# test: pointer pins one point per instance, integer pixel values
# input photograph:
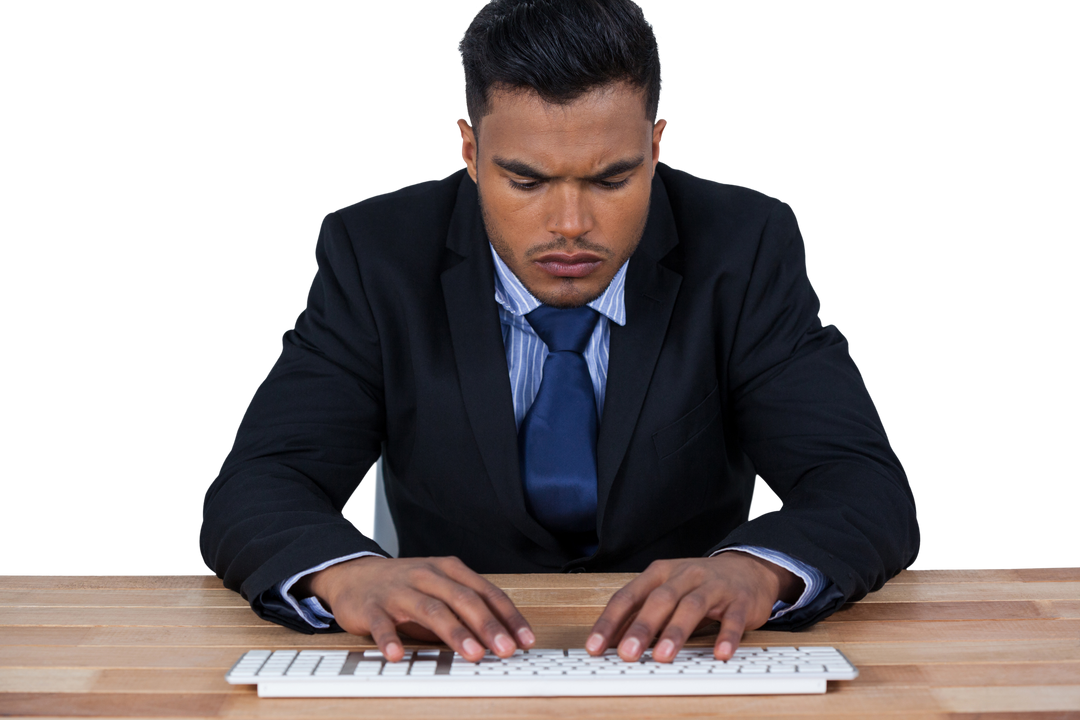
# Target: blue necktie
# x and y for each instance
(557, 439)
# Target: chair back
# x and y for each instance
(381, 525)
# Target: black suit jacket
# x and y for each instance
(722, 370)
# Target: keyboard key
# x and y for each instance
(422, 667)
(367, 669)
(696, 670)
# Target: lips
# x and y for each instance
(569, 265)
(569, 259)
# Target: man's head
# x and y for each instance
(562, 95)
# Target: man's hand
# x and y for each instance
(673, 596)
(428, 598)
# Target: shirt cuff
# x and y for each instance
(813, 579)
(310, 609)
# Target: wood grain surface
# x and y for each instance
(930, 644)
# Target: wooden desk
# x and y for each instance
(963, 643)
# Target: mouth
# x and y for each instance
(569, 265)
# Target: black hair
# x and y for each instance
(560, 48)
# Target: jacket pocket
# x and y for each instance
(678, 434)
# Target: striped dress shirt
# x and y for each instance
(525, 355)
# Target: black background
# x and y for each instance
(198, 163)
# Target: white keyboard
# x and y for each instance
(434, 673)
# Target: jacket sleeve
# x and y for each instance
(807, 423)
(313, 429)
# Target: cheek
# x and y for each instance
(622, 217)
(500, 199)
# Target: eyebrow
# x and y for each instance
(523, 169)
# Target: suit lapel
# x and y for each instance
(468, 289)
(651, 290)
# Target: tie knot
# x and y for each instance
(563, 330)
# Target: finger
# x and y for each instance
(624, 603)
(732, 625)
(433, 613)
(467, 605)
(618, 636)
(657, 611)
(691, 610)
(499, 602)
(384, 633)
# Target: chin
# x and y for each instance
(565, 295)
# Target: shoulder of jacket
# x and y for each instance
(423, 205)
(709, 202)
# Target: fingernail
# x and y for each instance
(725, 649)
(526, 637)
(630, 648)
(665, 649)
(594, 643)
(471, 647)
(392, 649)
(503, 644)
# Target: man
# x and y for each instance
(570, 358)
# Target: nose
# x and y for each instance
(569, 213)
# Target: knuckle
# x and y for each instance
(696, 602)
(622, 597)
(465, 595)
(416, 575)
(666, 594)
(428, 606)
(496, 595)
(697, 572)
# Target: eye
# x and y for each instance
(532, 186)
(526, 186)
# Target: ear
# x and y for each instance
(468, 147)
(657, 133)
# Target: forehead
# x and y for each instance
(600, 126)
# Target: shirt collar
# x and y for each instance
(512, 295)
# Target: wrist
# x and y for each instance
(789, 586)
(320, 584)
(302, 588)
